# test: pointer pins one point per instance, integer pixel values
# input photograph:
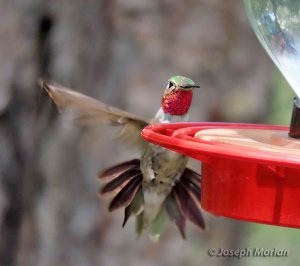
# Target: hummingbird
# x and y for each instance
(158, 186)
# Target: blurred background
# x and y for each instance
(121, 52)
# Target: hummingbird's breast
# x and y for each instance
(162, 167)
(168, 165)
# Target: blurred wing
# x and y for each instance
(91, 112)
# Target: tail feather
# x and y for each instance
(158, 225)
(187, 205)
(191, 177)
(116, 170)
(193, 190)
(175, 214)
(139, 225)
(135, 207)
(127, 193)
(120, 181)
(187, 193)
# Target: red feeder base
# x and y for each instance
(249, 172)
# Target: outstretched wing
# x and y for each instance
(91, 112)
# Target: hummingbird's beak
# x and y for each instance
(190, 87)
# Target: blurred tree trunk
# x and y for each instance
(119, 51)
(35, 36)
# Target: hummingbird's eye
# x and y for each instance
(170, 85)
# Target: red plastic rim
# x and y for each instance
(180, 137)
